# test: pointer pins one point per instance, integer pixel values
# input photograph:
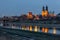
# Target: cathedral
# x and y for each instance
(45, 11)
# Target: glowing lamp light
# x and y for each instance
(54, 30)
(43, 29)
(30, 28)
(23, 28)
(35, 29)
(27, 28)
(46, 30)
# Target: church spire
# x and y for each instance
(46, 7)
(43, 9)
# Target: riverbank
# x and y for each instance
(30, 34)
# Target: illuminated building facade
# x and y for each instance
(45, 11)
(52, 14)
(36, 17)
(29, 15)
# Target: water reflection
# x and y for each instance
(54, 30)
(38, 29)
(46, 30)
(35, 29)
(43, 29)
(23, 28)
(30, 28)
(27, 28)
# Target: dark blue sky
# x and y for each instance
(18, 7)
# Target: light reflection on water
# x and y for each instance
(45, 30)
(6, 36)
(57, 31)
(16, 37)
(37, 29)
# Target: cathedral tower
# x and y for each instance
(45, 11)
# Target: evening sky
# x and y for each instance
(18, 7)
